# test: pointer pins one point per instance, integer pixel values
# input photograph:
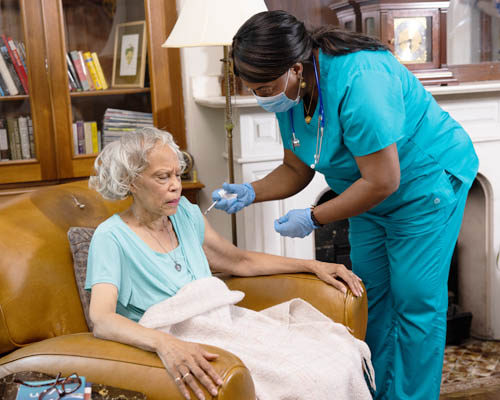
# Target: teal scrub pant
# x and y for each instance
(404, 266)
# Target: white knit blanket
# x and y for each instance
(292, 350)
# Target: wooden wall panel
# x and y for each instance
(314, 13)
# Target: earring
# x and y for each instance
(303, 84)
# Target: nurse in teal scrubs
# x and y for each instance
(401, 166)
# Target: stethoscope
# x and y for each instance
(321, 123)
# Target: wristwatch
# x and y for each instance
(313, 218)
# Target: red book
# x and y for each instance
(16, 61)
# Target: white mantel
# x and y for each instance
(258, 150)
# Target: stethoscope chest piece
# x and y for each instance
(295, 141)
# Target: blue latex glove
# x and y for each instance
(245, 196)
(295, 223)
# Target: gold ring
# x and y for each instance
(185, 375)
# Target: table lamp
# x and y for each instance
(214, 23)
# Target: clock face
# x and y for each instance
(413, 39)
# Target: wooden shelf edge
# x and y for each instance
(109, 92)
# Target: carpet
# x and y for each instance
(475, 364)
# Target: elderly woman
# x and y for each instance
(145, 254)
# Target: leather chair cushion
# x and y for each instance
(79, 242)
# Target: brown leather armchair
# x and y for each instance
(42, 324)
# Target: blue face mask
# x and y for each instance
(278, 103)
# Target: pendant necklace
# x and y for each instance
(308, 117)
(177, 265)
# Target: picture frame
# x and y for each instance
(129, 55)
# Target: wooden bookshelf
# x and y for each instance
(48, 32)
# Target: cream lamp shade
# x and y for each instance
(211, 22)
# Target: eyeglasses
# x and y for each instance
(57, 389)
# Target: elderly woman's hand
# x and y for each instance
(184, 361)
(329, 272)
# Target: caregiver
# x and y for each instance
(401, 166)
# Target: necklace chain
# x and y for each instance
(308, 117)
(177, 265)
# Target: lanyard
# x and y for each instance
(321, 122)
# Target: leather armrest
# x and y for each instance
(119, 365)
(266, 291)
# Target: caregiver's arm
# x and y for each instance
(380, 173)
(224, 257)
(286, 180)
(177, 356)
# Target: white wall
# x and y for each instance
(205, 134)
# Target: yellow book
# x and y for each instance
(87, 57)
(95, 138)
(98, 69)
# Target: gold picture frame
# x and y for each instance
(129, 55)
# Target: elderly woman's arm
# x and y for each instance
(179, 357)
(224, 257)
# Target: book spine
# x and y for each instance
(12, 70)
(87, 129)
(3, 86)
(75, 140)
(4, 71)
(95, 138)
(4, 141)
(81, 137)
(89, 63)
(79, 70)
(16, 61)
(14, 139)
(24, 137)
(32, 138)
(86, 71)
(99, 71)
(72, 71)
(72, 84)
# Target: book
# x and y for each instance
(29, 393)
(71, 69)
(75, 139)
(86, 71)
(16, 61)
(6, 76)
(75, 57)
(32, 138)
(12, 70)
(95, 137)
(80, 137)
(14, 139)
(22, 123)
(89, 63)
(99, 71)
(87, 130)
(4, 141)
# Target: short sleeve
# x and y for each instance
(104, 261)
(372, 112)
(196, 217)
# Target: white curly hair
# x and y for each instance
(120, 162)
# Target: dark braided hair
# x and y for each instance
(270, 42)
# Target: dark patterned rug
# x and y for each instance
(475, 364)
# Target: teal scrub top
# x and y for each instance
(142, 276)
(370, 102)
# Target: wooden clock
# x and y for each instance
(415, 31)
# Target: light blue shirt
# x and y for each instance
(370, 102)
(142, 276)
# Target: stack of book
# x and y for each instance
(86, 137)
(84, 71)
(117, 122)
(16, 138)
(13, 71)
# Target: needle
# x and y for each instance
(209, 208)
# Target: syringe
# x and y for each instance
(224, 195)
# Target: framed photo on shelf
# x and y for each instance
(129, 56)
